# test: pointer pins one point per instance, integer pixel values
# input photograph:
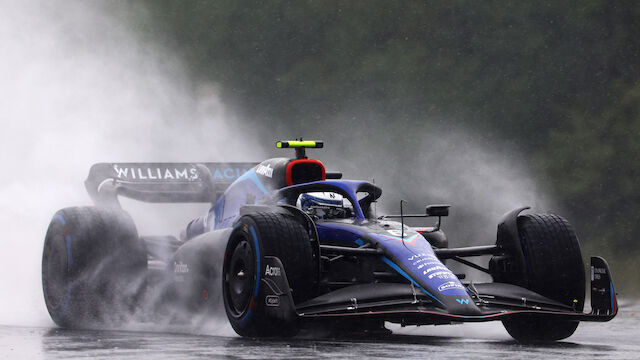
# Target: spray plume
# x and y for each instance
(77, 87)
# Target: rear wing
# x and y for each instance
(162, 182)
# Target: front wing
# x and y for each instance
(406, 304)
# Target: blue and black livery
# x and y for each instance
(287, 265)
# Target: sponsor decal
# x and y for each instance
(265, 170)
(272, 300)
(228, 173)
(450, 285)
(421, 256)
(395, 232)
(596, 273)
(272, 271)
(180, 268)
(156, 173)
(430, 263)
(434, 268)
(442, 275)
(463, 301)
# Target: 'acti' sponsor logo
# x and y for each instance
(227, 173)
(272, 271)
(450, 285)
(148, 173)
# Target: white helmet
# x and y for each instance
(318, 198)
(325, 205)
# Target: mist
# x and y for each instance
(480, 177)
(78, 86)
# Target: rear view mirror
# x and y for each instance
(438, 210)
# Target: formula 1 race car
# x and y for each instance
(298, 247)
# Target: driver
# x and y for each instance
(324, 205)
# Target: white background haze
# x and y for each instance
(76, 88)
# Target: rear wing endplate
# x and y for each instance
(162, 182)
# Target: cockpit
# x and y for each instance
(339, 199)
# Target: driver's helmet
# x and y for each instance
(317, 198)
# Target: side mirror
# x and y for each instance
(438, 210)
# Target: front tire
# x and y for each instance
(254, 237)
(554, 268)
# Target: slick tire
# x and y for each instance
(554, 268)
(254, 237)
(93, 267)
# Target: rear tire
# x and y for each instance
(254, 237)
(554, 268)
(93, 267)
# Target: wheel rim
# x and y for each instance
(240, 277)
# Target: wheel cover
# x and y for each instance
(239, 278)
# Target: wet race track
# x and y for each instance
(618, 339)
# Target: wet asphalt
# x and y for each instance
(617, 339)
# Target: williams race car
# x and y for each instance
(298, 247)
